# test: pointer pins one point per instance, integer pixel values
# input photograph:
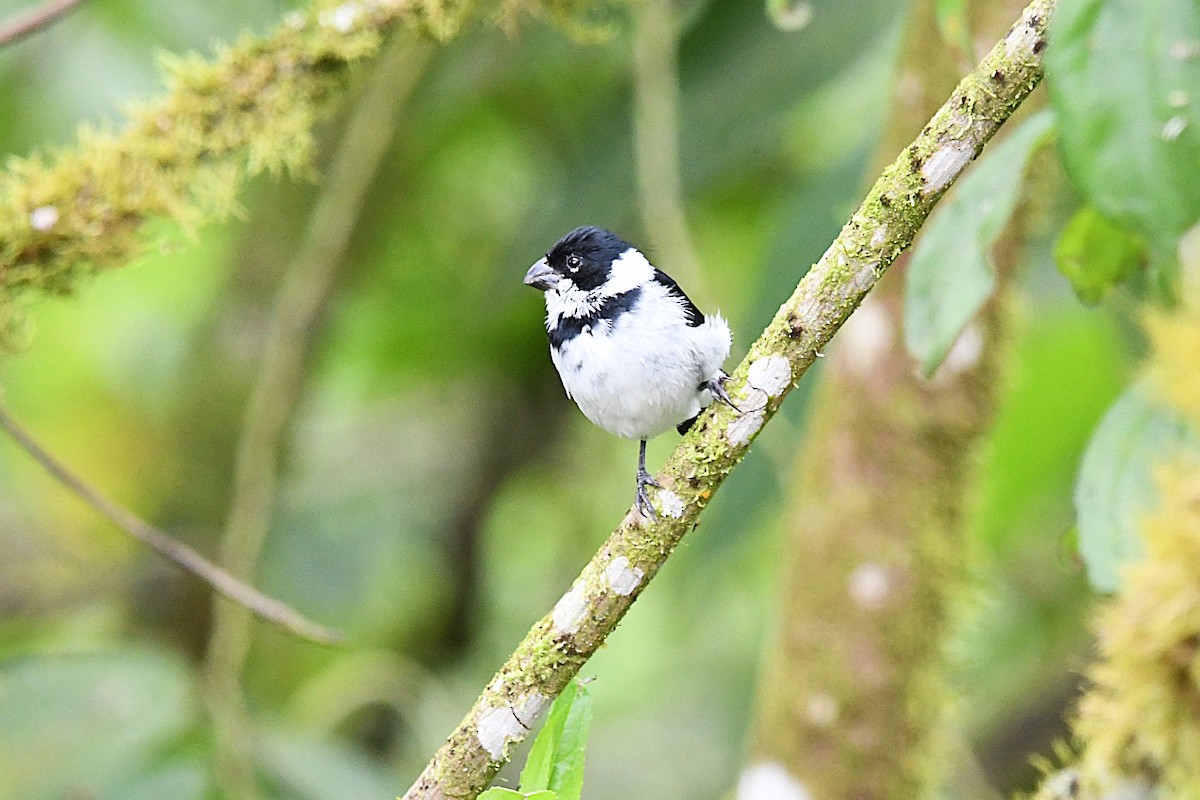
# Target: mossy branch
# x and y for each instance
(184, 157)
(886, 223)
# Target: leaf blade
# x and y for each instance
(1116, 486)
(1123, 82)
(539, 765)
(949, 276)
(567, 779)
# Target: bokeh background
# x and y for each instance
(438, 492)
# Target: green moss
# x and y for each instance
(249, 109)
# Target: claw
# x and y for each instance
(642, 499)
(716, 386)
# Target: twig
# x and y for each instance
(270, 609)
(886, 223)
(35, 19)
(276, 391)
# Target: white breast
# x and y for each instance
(641, 376)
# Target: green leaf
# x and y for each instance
(567, 780)
(556, 759)
(81, 725)
(1116, 479)
(1095, 255)
(1124, 81)
(949, 276)
(496, 793)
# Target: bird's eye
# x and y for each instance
(574, 262)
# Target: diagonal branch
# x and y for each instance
(270, 609)
(886, 223)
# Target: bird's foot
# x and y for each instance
(642, 502)
(716, 387)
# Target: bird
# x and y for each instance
(633, 351)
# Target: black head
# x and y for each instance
(585, 255)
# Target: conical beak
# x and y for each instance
(540, 276)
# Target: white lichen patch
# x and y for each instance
(772, 375)
(1184, 49)
(866, 338)
(1173, 128)
(944, 164)
(821, 709)
(500, 725)
(869, 586)
(1062, 785)
(342, 19)
(621, 577)
(742, 429)
(770, 780)
(43, 218)
(670, 504)
(570, 610)
(879, 236)
(1021, 40)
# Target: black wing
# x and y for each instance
(694, 318)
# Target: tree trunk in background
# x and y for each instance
(852, 699)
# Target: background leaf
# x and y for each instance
(83, 725)
(949, 276)
(1095, 255)
(1124, 80)
(1116, 479)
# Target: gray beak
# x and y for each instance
(540, 276)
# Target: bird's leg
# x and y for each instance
(716, 386)
(643, 480)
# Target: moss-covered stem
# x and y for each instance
(184, 157)
(276, 391)
(895, 208)
(853, 698)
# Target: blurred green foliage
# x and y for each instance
(950, 275)
(439, 491)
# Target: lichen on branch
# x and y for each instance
(886, 223)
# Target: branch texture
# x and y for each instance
(886, 223)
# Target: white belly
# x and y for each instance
(638, 383)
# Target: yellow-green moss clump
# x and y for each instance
(249, 109)
(1142, 717)
(1175, 369)
(1140, 722)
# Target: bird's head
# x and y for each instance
(582, 260)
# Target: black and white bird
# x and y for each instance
(632, 350)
